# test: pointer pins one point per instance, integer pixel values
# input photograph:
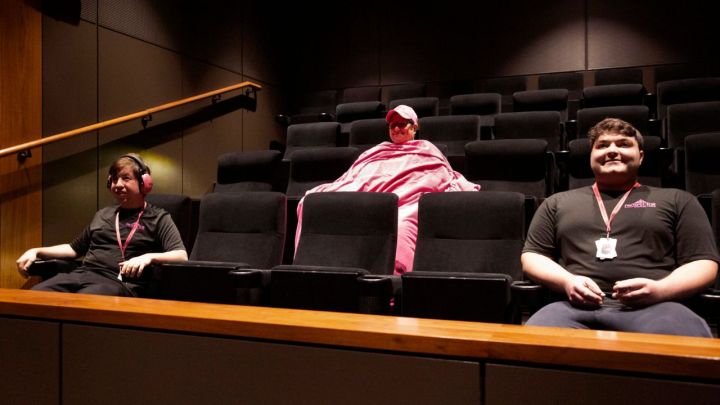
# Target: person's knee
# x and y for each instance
(103, 289)
(672, 318)
(559, 314)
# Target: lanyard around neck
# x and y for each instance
(615, 210)
(135, 226)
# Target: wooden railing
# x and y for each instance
(661, 355)
(253, 87)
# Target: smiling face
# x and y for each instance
(615, 160)
(125, 187)
(401, 129)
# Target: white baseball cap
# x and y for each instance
(403, 111)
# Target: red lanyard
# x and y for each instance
(615, 210)
(136, 225)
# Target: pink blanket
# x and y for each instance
(409, 170)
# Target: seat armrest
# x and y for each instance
(48, 268)
(199, 281)
(326, 117)
(283, 119)
(378, 293)
(528, 296)
(250, 285)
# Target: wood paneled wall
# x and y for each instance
(20, 121)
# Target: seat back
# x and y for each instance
(506, 87)
(359, 110)
(244, 227)
(406, 90)
(454, 131)
(686, 91)
(364, 134)
(355, 94)
(349, 229)
(423, 106)
(483, 104)
(636, 115)
(313, 106)
(702, 171)
(180, 209)
(542, 100)
(475, 232)
(691, 118)
(618, 76)
(571, 81)
(468, 253)
(311, 167)
(312, 135)
(519, 165)
(247, 171)
(613, 95)
(543, 125)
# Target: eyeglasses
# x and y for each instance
(400, 124)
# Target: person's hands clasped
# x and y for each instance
(583, 292)
(637, 292)
(134, 267)
(24, 261)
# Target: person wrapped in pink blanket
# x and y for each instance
(406, 167)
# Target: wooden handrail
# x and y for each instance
(125, 118)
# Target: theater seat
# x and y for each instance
(467, 255)
(248, 171)
(236, 230)
(344, 236)
(314, 135)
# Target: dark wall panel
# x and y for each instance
(203, 142)
(134, 75)
(121, 366)
(332, 47)
(32, 349)
(637, 33)
(69, 101)
(476, 40)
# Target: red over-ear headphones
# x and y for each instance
(145, 181)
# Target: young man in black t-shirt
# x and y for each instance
(622, 253)
(120, 241)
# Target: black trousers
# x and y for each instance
(86, 281)
(669, 318)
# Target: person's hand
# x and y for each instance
(134, 267)
(638, 292)
(583, 292)
(24, 261)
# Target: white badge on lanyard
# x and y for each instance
(607, 246)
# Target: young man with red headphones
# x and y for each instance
(120, 242)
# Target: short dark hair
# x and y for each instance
(129, 160)
(614, 125)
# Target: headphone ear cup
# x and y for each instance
(147, 183)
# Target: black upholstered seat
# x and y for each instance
(248, 171)
(313, 135)
(236, 230)
(344, 236)
(467, 255)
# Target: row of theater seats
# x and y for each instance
(466, 264)
(564, 92)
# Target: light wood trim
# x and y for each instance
(632, 352)
(125, 118)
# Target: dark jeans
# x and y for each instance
(668, 318)
(85, 281)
